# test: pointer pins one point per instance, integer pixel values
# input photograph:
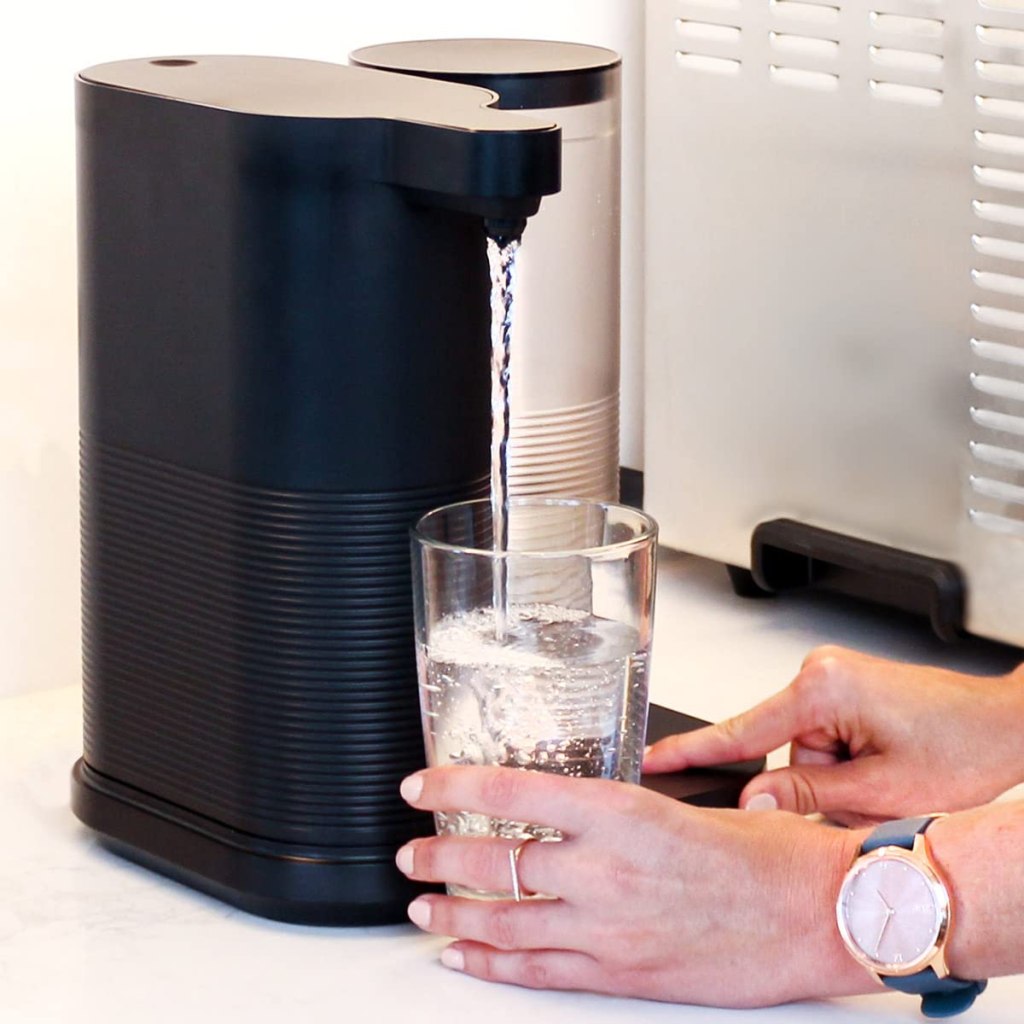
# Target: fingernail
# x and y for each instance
(404, 859)
(648, 749)
(761, 802)
(453, 958)
(419, 912)
(411, 788)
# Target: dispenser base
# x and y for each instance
(313, 885)
(300, 885)
(719, 786)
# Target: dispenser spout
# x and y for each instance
(505, 229)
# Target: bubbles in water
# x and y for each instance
(554, 694)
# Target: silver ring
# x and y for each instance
(518, 893)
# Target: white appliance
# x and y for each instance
(835, 296)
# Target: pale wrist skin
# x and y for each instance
(835, 971)
(980, 855)
(1013, 685)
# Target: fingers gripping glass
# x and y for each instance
(554, 681)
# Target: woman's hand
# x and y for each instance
(870, 739)
(650, 898)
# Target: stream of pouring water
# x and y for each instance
(502, 260)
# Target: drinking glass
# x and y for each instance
(534, 657)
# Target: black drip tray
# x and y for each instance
(706, 787)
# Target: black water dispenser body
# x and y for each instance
(284, 316)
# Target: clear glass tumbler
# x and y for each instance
(534, 657)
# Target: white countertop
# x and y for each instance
(87, 937)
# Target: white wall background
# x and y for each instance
(39, 632)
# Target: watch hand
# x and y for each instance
(878, 893)
(885, 924)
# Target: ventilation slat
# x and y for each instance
(994, 142)
(999, 213)
(906, 25)
(995, 106)
(812, 14)
(1006, 284)
(1005, 37)
(997, 524)
(1001, 248)
(993, 455)
(993, 71)
(804, 46)
(998, 352)
(998, 387)
(1000, 421)
(822, 81)
(1004, 5)
(906, 60)
(703, 62)
(901, 93)
(706, 32)
(998, 489)
(1008, 318)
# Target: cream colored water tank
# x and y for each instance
(564, 392)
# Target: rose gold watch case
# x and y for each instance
(919, 859)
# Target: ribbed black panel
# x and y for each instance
(249, 653)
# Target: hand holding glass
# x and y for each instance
(534, 657)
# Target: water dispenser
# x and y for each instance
(284, 316)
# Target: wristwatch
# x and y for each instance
(895, 917)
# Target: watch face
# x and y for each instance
(892, 911)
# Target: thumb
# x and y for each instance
(847, 787)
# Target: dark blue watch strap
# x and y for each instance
(897, 833)
(940, 997)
